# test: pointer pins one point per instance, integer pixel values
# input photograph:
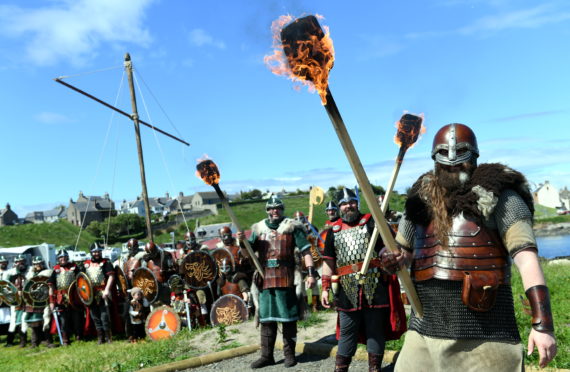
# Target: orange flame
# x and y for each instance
(307, 57)
(208, 171)
(410, 127)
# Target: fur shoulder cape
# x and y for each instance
(477, 198)
(285, 227)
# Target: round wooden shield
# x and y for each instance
(122, 282)
(228, 309)
(73, 297)
(84, 288)
(9, 293)
(199, 268)
(224, 259)
(146, 281)
(175, 282)
(162, 323)
(36, 292)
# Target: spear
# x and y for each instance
(310, 56)
(208, 171)
(409, 128)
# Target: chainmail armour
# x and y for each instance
(95, 273)
(350, 246)
(64, 279)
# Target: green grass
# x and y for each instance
(554, 219)
(58, 233)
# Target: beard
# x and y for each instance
(350, 215)
(455, 178)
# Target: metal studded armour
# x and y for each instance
(94, 271)
(64, 277)
(351, 244)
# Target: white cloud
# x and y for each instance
(51, 118)
(74, 30)
(199, 37)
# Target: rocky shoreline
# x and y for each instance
(552, 229)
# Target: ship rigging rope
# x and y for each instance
(104, 146)
(90, 72)
(161, 151)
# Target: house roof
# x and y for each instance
(208, 195)
(92, 206)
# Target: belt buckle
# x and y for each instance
(272, 263)
(354, 268)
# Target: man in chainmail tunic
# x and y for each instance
(463, 226)
(102, 276)
(275, 239)
(362, 303)
(62, 277)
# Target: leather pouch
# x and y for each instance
(480, 290)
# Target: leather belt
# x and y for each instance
(354, 268)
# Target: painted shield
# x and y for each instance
(224, 259)
(228, 309)
(9, 293)
(198, 268)
(36, 292)
(73, 297)
(146, 281)
(175, 282)
(84, 288)
(162, 323)
(122, 282)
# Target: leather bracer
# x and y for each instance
(539, 299)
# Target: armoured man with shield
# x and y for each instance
(36, 296)
(162, 266)
(17, 277)
(234, 268)
(366, 305)
(275, 240)
(63, 301)
(102, 278)
(464, 224)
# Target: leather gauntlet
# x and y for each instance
(539, 300)
(326, 282)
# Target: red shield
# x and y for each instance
(84, 288)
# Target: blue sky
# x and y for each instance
(498, 66)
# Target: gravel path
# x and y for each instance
(305, 363)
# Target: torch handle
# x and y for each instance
(362, 179)
(374, 236)
(233, 217)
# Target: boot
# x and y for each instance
(23, 339)
(100, 337)
(65, 339)
(10, 339)
(48, 340)
(315, 303)
(342, 363)
(375, 362)
(36, 336)
(268, 337)
(109, 336)
(289, 343)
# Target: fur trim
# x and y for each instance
(286, 226)
(476, 199)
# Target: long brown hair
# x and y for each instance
(435, 195)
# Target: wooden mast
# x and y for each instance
(135, 118)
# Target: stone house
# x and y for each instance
(49, 216)
(90, 208)
(565, 198)
(8, 216)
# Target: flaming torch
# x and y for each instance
(208, 171)
(409, 129)
(309, 56)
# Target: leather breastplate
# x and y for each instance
(130, 266)
(472, 248)
(276, 252)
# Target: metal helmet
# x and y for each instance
(274, 202)
(62, 253)
(189, 235)
(299, 216)
(454, 144)
(37, 260)
(225, 231)
(95, 247)
(331, 206)
(345, 195)
(20, 258)
(150, 247)
(3, 260)
(133, 243)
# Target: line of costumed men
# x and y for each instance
(119, 307)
